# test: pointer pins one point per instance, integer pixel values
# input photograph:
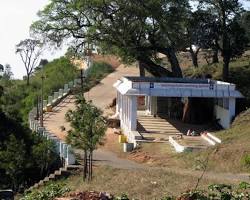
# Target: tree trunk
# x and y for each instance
(142, 69)
(175, 66)
(89, 166)
(226, 52)
(215, 58)
(28, 80)
(82, 79)
(153, 68)
(194, 56)
(226, 60)
(85, 166)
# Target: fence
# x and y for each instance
(62, 149)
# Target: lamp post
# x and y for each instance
(82, 78)
(41, 111)
(37, 108)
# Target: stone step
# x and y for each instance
(46, 179)
(74, 167)
(40, 183)
(57, 173)
(52, 176)
(153, 120)
(156, 124)
(151, 141)
(157, 129)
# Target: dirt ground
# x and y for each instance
(151, 154)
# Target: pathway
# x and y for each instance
(101, 95)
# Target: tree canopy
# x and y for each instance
(232, 39)
(138, 30)
(133, 29)
(29, 50)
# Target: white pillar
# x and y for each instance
(147, 100)
(118, 103)
(122, 111)
(125, 112)
(132, 113)
(231, 108)
(70, 156)
(153, 105)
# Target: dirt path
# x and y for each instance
(101, 95)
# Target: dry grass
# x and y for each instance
(139, 184)
(227, 157)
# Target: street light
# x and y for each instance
(84, 65)
(41, 109)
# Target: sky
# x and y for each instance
(16, 16)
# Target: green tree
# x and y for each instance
(7, 74)
(230, 32)
(201, 33)
(245, 22)
(29, 51)
(13, 161)
(134, 30)
(44, 155)
(88, 129)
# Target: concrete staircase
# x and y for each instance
(159, 130)
(58, 174)
(155, 128)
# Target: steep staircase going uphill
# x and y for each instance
(58, 174)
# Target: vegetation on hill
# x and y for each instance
(25, 156)
(19, 99)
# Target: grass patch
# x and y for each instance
(230, 156)
(137, 184)
(96, 73)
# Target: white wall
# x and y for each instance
(224, 116)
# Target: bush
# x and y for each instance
(246, 161)
(49, 192)
(99, 70)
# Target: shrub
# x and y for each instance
(246, 160)
(49, 192)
